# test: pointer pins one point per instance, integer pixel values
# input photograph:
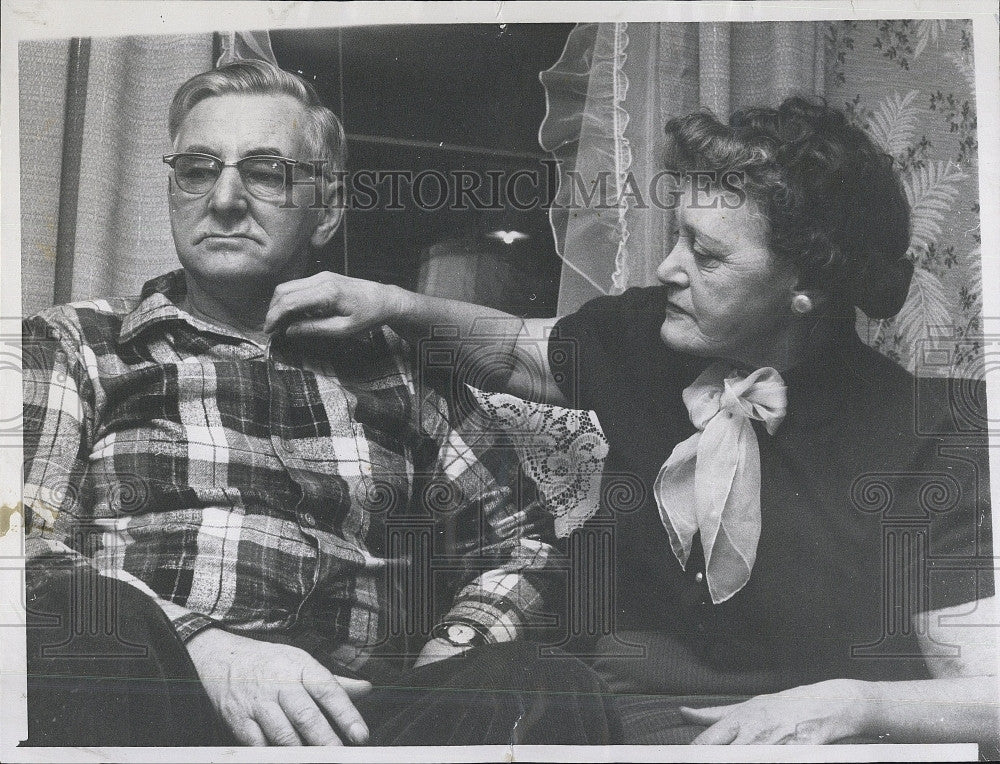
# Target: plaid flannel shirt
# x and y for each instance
(257, 487)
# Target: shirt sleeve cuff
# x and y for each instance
(190, 624)
(499, 604)
(185, 622)
(494, 623)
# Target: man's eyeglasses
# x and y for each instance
(268, 178)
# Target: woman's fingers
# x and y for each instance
(721, 731)
(248, 732)
(328, 296)
(320, 298)
(321, 327)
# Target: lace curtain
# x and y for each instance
(909, 83)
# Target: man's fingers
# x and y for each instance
(706, 716)
(338, 706)
(722, 733)
(305, 715)
(248, 732)
(275, 725)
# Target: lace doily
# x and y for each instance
(561, 450)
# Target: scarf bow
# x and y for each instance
(711, 482)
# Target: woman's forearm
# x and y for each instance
(494, 350)
(419, 316)
(486, 336)
(953, 709)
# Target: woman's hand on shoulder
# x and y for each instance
(509, 354)
(331, 305)
(810, 714)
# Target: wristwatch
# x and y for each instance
(459, 634)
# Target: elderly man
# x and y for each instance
(218, 516)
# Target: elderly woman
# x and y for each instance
(801, 492)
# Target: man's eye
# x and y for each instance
(197, 174)
(270, 174)
(304, 172)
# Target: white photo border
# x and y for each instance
(50, 19)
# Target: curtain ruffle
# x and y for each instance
(584, 129)
(244, 46)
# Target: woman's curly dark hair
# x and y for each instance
(834, 205)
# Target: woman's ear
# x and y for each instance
(805, 301)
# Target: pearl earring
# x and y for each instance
(802, 303)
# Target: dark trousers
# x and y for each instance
(105, 667)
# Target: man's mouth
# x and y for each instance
(224, 237)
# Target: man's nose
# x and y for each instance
(228, 195)
(671, 271)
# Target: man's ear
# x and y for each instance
(330, 214)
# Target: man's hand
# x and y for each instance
(330, 305)
(811, 714)
(437, 650)
(270, 694)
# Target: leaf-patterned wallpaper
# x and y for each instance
(911, 84)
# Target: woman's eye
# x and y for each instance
(705, 259)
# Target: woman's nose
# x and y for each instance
(671, 271)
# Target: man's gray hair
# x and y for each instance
(325, 139)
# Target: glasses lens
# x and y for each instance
(263, 177)
(196, 174)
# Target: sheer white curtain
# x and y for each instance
(609, 96)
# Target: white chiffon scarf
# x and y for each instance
(710, 484)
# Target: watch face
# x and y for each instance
(460, 634)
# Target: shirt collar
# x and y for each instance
(159, 302)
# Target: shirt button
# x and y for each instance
(699, 577)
